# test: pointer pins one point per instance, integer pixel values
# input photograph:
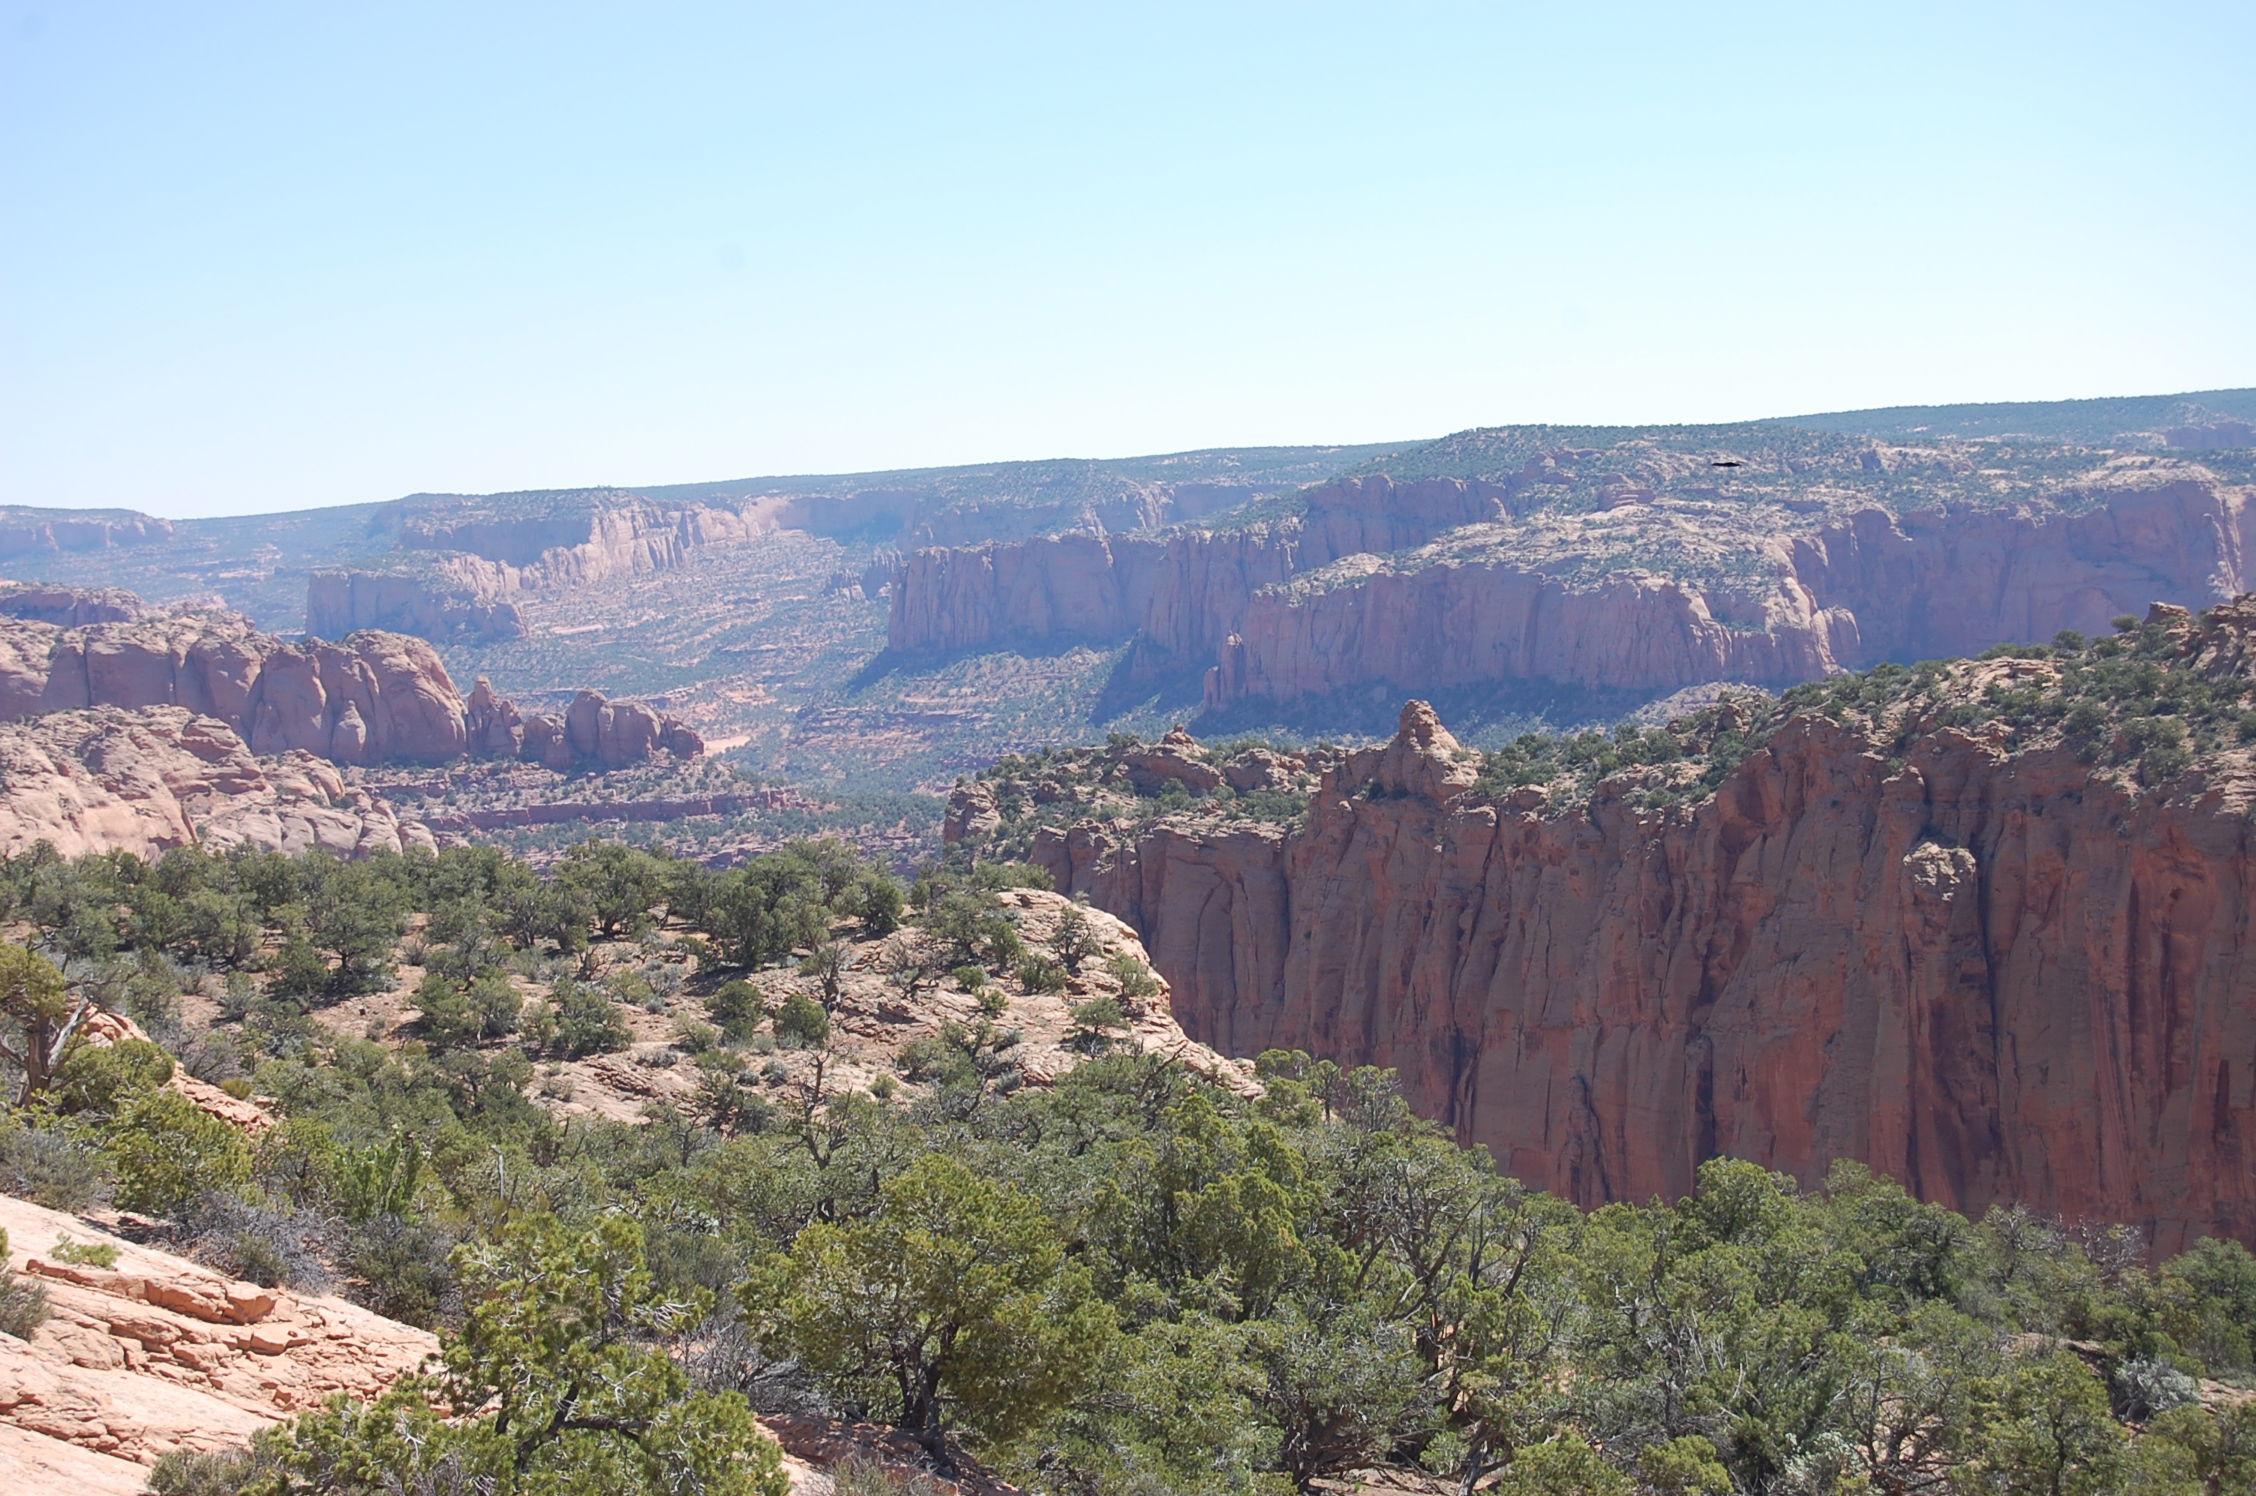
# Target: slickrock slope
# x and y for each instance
(1641, 560)
(160, 1353)
(372, 697)
(1989, 927)
(107, 779)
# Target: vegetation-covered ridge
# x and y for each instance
(1133, 1279)
(2162, 697)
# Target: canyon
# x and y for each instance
(1969, 954)
(130, 728)
(459, 560)
(1612, 562)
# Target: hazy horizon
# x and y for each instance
(1404, 443)
(263, 260)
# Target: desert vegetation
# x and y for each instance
(1131, 1276)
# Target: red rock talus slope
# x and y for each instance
(1922, 937)
(108, 779)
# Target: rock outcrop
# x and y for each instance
(1995, 974)
(31, 532)
(432, 603)
(69, 607)
(1181, 593)
(371, 697)
(1647, 580)
(464, 561)
(107, 779)
(159, 1353)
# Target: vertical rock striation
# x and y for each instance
(1995, 974)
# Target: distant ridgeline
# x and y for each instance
(1643, 559)
(446, 565)
(889, 630)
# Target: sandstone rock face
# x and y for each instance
(1181, 593)
(435, 604)
(26, 532)
(1996, 976)
(471, 560)
(107, 779)
(372, 697)
(69, 607)
(1357, 589)
(280, 697)
(160, 1353)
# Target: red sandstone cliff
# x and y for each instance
(1183, 593)
(1647, 588)
(371, 697)
(473, 559)
(1996, 975)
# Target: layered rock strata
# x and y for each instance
(471, 561)
(372, 697)
(32, 532)
(158, 1353)
(1642, 586)
(1182, 593)
(1996, 975)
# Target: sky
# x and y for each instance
(259, 257)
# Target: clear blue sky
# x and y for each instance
(269, 256)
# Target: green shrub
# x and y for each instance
(737, 1008)
(454, 1016)
(1135, 978)
(802, 1022)
(52, 1164)
(102, 1254)
(23, 1306)
(577, 1021)
(1095, 1021)
(191, 1472)
(98, 1080)
(1038, 973)
(166, 1152)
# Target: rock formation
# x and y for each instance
(371, 697)
(463, 561)
(69, 607)
(432, 602)
(159, 1353)
(107, 779)
(1994, 972)
(1645, 577)
(32, 532)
